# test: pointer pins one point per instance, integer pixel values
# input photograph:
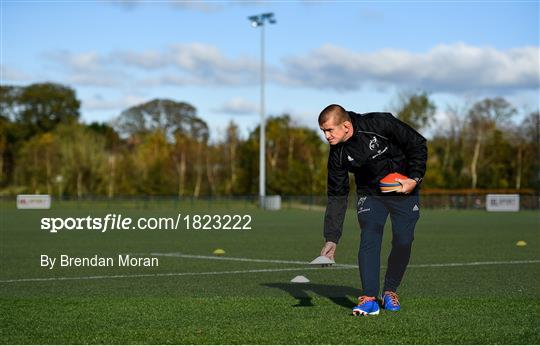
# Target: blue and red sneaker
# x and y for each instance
(390, 301)
(366, 306)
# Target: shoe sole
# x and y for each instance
(364, 313)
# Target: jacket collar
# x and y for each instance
(355, 120)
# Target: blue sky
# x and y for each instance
(359, 54)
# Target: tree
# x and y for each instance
(199, 133)
(191, 142)
(530, 131)
(517, 137)
(9, 100)
(447, 151)
(483, 117)
(179, 124)
(4, 123)
(231, 153)
(248, 164)
(38, 157)
(45, 105)
(29, 111)
(179, 154)
(159, 114)
(306, 162)
(8, 108)
(417, 110)
(296, 159)
(112, 147)
(83, 160)
(153, 164)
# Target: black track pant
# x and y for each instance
(372, 214)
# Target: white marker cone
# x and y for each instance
(300, 279)
(322, 260)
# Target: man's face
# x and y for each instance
(335, 133)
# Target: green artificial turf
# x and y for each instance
(205, 301)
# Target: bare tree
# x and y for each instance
(483, 117)
(231, 148)
(179, 123)
(417, 110)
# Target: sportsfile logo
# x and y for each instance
(119, 222)
(109, 222)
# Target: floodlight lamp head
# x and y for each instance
(255, 21)
(260, 19)
(269, 16)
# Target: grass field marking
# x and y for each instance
(471, 264)
(342, 266)
(243, 259)
(101, 277)
(240, 259)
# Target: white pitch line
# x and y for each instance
(243, 259)
(240, 259)
(341, 266)
(471, 264)
(98, 277)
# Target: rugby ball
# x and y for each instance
(389, 183)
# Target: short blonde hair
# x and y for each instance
(338, 113)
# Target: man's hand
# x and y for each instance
(329, 249)
(407, 185)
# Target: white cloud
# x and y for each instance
(98, 102)
(90, 60)
(445, 68)
(452, 68)
(145, 60)
(88, 68)
(208, 62)
(186, 64)
(91, 79)
(195, 63)
(168, 79)
(239, 106)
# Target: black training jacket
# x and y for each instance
(380, 145)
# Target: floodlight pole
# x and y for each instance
(258, 21)
(262, 134)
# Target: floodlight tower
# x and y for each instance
(259, 21)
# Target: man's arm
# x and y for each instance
(411, 143)
(338, 191)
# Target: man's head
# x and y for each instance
(335, 123)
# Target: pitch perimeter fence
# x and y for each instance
(428, 201)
